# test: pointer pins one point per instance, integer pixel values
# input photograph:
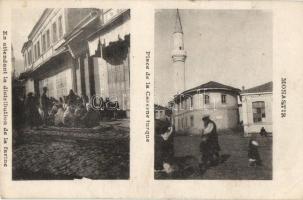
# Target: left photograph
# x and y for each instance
(70, 93)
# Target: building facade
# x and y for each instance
(109, 46)
(48, 62)
(257, 108)
(59, 54)
(212, 98)
(162, 113)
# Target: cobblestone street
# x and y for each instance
(61, 153)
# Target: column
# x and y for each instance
(74, 75)
(82, 75)
(90, 63)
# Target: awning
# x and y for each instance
(42, 67)
(46, 65)
(25, 74)
(109, 33)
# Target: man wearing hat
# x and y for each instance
(209, 146)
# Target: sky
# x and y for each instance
(232, 47)
(23, 20)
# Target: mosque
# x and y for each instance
(190, 104)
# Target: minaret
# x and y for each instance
(178, 57)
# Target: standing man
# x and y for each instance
(44, 105)
(209, 146)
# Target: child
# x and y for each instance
(253, 153)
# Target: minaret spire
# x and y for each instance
(178, 57)
(178, 25)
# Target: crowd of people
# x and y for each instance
(68, 111)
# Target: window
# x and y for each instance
(258, 108)
(38, 49)
(43, 43)
(186, 122)
(182, 123)
(206, 99)
(176, 106)
(25, 61)
(29, 57)
(223, 98)
(54, 32)
(47, 39)
(161, 113)
(191, 102)
(60, 27)
(179, 123)
(35, 52)
(192, 121)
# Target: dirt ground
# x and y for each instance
(234, 149)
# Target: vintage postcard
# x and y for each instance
(151, 99)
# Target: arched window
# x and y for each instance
(258, 108)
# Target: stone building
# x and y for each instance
(257, 108)
(58, 53)
(162, 113)
(212, 98)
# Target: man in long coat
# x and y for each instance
(44, 105)
(209, 146)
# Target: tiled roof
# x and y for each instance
(213, 85)
(159, 107)
(267, 87)
(209, 86)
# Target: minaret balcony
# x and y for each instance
(179, 55)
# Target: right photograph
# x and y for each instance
(213, 94)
